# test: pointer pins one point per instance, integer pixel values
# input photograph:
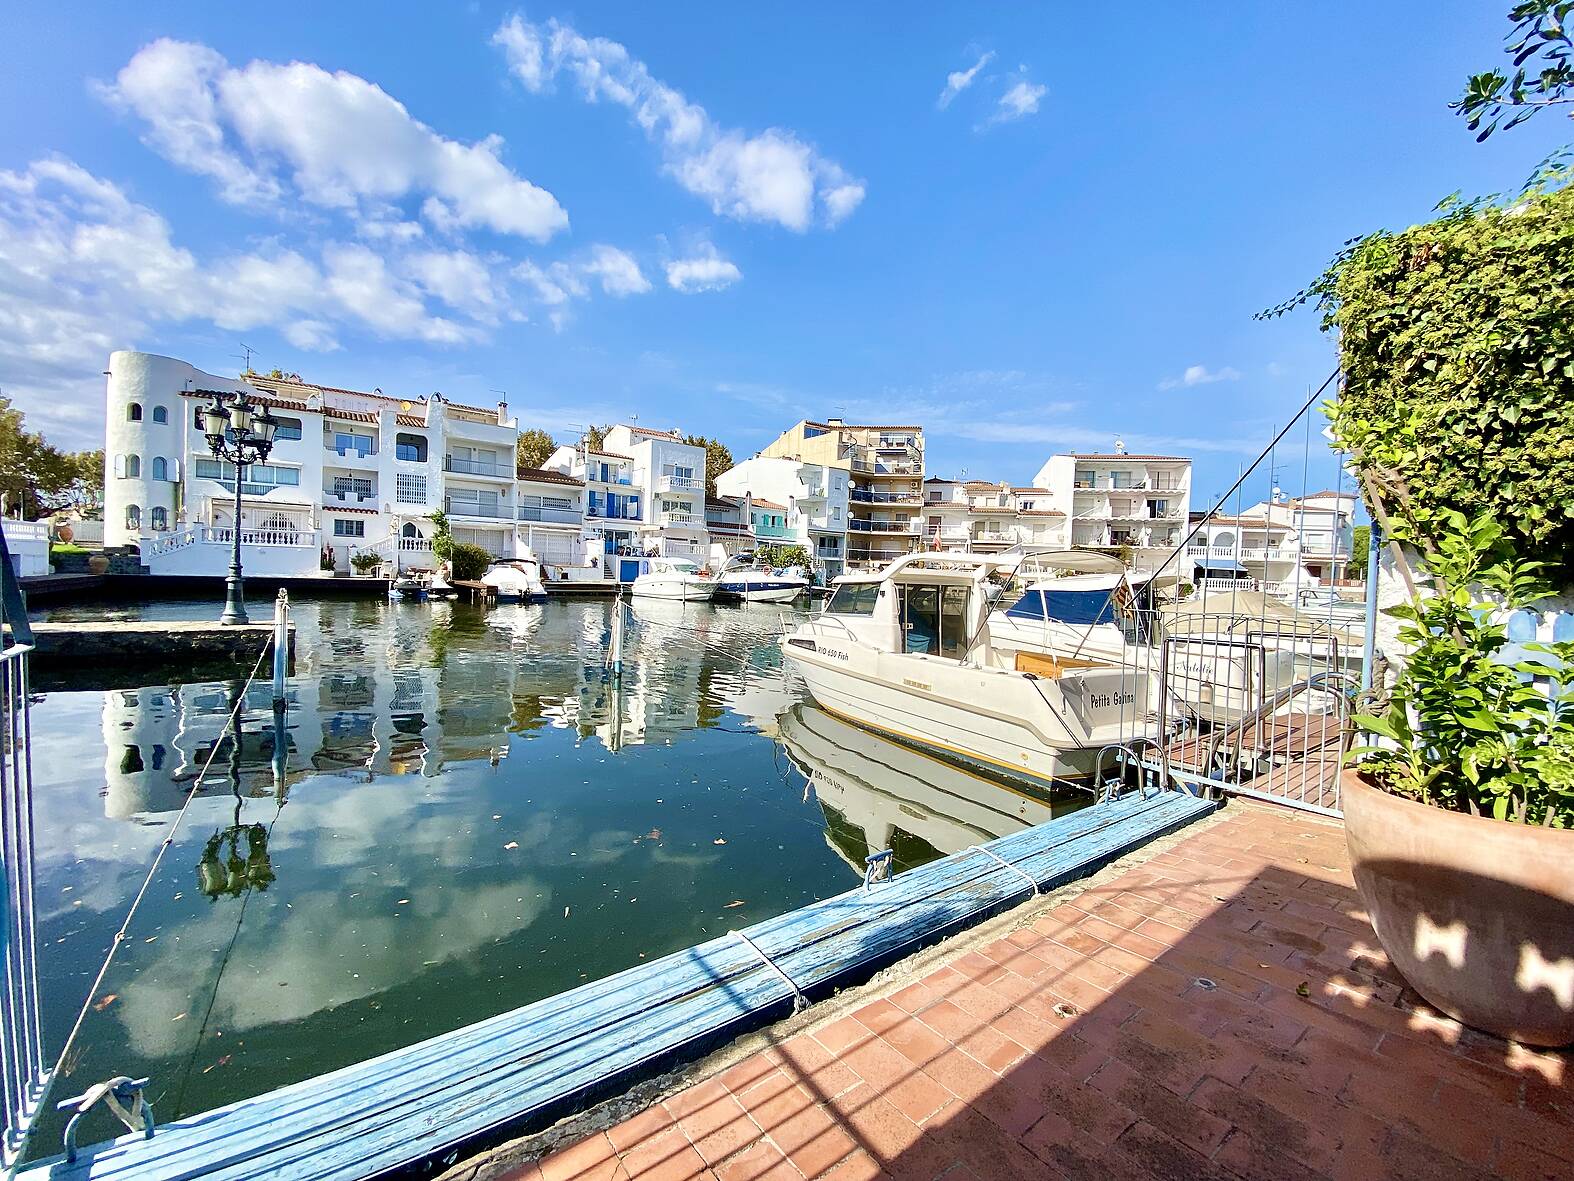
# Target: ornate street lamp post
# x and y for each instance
(242, 436)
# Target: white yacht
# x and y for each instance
(675, 578)
(518, 580)
(907, 653)
(744, 581)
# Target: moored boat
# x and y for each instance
(743, 581)
(906, 652)
(517, 579)
(674, 578)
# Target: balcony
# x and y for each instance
(866, 496)
(350, 454)
(478, 467)
(680, 520)
(680, 484)
(471, 508)
(861, 526)
(356, 497)
(776, 531)
(549, 516)
(989, 506)
(608, 475)
(882, 467)
(600, 512)
(993, 537)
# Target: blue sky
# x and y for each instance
(1027, 228)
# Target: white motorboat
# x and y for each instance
(675, 578)
(744, 581)
(516, 580)
(906, 652)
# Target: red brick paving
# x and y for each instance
(1189, 1051)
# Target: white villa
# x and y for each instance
(644, 496)
(1117, 501)
(1280, 545)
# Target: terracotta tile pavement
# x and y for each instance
(1222, 1010)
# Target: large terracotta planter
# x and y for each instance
(97, 564)
(1476, 913)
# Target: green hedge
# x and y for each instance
(1456, 339)
(468, 562)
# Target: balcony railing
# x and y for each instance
(863, 526)
(893, 468)
(348, 496)
(772, 531)
(682, 520)
(866, 496)
(550, 516)
(680, 484)
(351, 452)
(601, 512)
(476, 467)
(470, 508)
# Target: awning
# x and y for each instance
(1220, 566)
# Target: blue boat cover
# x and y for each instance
(1079, 607)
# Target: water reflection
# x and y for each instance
(878, 794)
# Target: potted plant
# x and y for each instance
(1458, 822)
(366, 562)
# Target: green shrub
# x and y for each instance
(365, 561)
(1457, 349)
(468, 562)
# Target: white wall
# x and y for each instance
(28, 542)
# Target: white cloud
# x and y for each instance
(705, 271)
(85, 270)
(1018, 102)
(1200, 375)
(346, 142)
(770, 176)
(959, 80)
(458, 278)
(619, 273)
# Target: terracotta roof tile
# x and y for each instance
(409, 420)
(334, 508)
(540, 475)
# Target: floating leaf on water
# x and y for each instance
(105, 1001)
(734, 902)
(402, 902)
(497, 816)
(512, 845)
(565, 912)
(224, 1061)
(719, 841)
(177, 1017)
(1303, 989)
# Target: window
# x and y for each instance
(854, 598)
(411, 448)
(133, 516)
(134, 412)
(289, 428)
(258, 475)
(1024, 506)
(409, 488)
(346, 442)
(160, 469)
(836, 513)
(343, 528)
(160, 517)
(160, 414)
(133, 467)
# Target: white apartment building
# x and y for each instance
(551, 513)
(349, 471)
(1280, 545)
(812, 500)
(1137, 504)
(644, 496)
(975, 516)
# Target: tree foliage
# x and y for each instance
(718, 458)
(41, 478)
(534, 448)
(1457, 349)
(1360, 542)
(442, 536)
(468, 562)
(595, 437)
(1543, 71)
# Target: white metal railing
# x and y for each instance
(865, 496)
(476, 467)
(681, 520)
(560, 516)
(368, 453)
(863, 526)
(879, 468)
(351, 496)
(467, 508)
(680, 484)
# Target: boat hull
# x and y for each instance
(1042, 732)
(684, 590)
(760, 590)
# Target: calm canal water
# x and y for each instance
(468, 818)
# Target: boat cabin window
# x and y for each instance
(854, 598)
(934, 619)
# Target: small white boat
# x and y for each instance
(409, 588)
(516, 580)
(744, 582)
(674, 578)
(906, 652)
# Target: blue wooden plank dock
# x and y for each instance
(521, 1071)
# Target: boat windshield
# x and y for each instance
(1086, 608)
(854, 598)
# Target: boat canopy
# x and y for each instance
(1220, 565)
(1077, 607)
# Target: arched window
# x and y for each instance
(409, 531)
(160, 414)
(1224, 539)
(160, 469)
(160, 517)
(133, 516)
(134, 412)
(133, 467)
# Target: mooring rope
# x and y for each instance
(1016, 869)
(122, 934)
(799, 1001)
